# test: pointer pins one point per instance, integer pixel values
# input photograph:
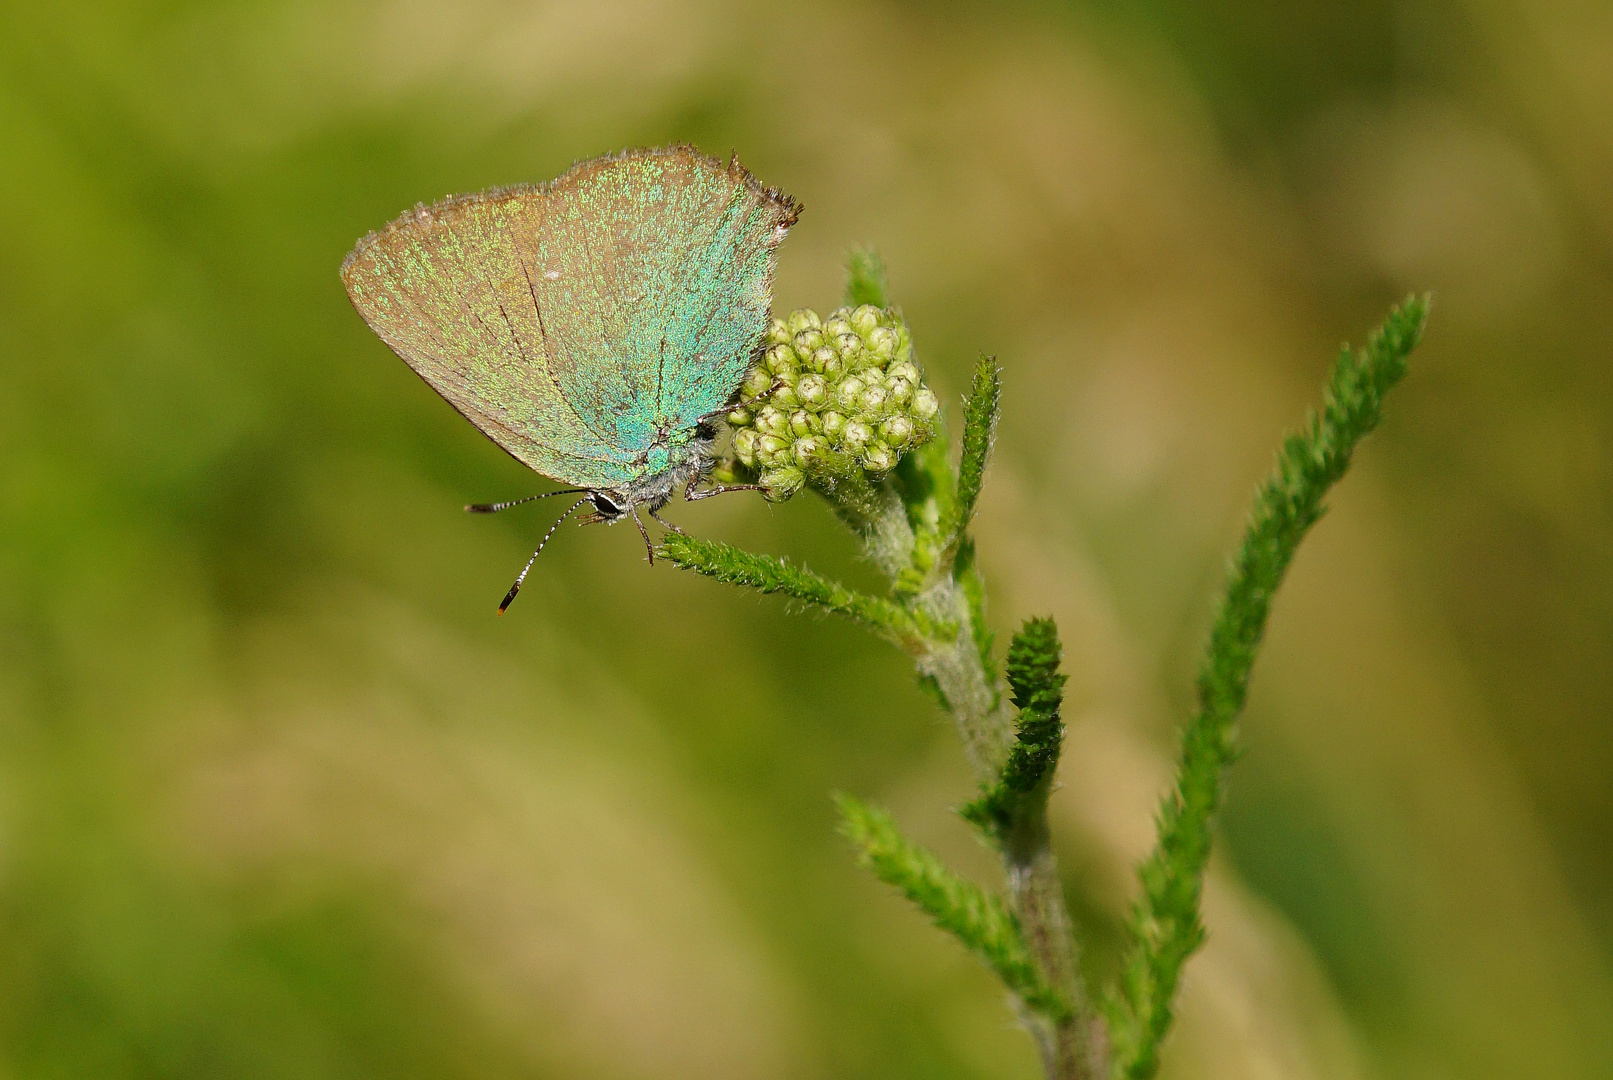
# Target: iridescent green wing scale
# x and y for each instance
(663, 262)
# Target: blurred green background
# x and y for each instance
(280, 797)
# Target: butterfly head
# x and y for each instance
(609, 508)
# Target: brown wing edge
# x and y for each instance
(422, 213)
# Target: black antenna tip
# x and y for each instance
(479, 508)
(509, 599)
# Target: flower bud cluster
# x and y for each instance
(832, 395)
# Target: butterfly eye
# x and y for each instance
(604, 504)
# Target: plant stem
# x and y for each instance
(1073, 1047)
(953, 665)
(1072, 1043)
(913, 521)
(918, 534)
(875, 512)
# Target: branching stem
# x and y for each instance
(914, 524)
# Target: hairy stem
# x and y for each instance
(954, 666)
(875, 512)
(1072, 1043)
(1073, 1046)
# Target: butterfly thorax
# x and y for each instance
(675, 462)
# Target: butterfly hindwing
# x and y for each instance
(573, 322)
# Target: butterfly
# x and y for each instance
(595, 327)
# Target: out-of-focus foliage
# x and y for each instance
(1166, 922)
(280, 797)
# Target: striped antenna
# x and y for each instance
(493, 508)
(510, 597)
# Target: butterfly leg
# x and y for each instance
(691, 495)
(664, 523)
(747, 403)
(649, 548)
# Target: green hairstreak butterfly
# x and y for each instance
(594, 326)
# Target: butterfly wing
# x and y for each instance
(569, 322)
(662, 263)
(447, 288)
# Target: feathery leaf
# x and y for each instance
(904, 628)
(1033, 674)
(1165, 923)
(977, 918)
(865, 278)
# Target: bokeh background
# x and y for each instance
(280, 797)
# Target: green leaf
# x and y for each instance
(977, 918)
(1165, 923)
(910, 630)
(1033, 674)
(979, 427)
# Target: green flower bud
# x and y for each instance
(897, 432)
(780, 483)
(723, 472)
(849, 393)
(771, 451)
(904, 369)
(771, 420)
(813, 391)
(844, 384)
(879, 458)
(780, 359)
(745, 446)
(784, 397)
(756, 383)
(882, 342)
(810, 450)
(875, 398)
(925, 405)
(803, 319)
